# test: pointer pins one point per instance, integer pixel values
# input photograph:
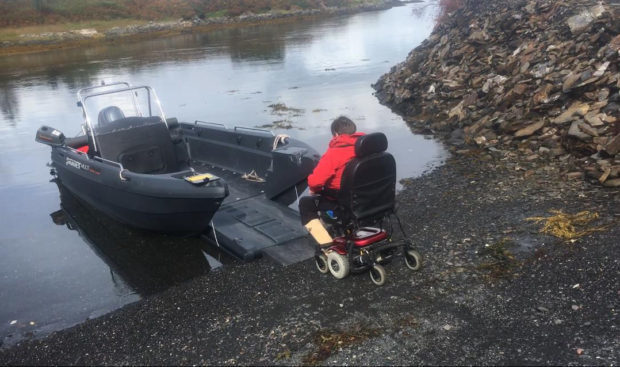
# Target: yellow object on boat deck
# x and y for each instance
(201, 179)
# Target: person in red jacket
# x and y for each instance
(324, 182)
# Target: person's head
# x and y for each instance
(343, 125)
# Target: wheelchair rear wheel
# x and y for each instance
(338, 265)
(413, 260)
(321, 263)
(377, 274)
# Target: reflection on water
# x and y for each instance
(143, 262)
(9, 104)
(52, 276)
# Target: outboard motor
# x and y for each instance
(50, 136)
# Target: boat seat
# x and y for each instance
(144, 147)
(108, 115)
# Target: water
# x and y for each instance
(60, 262)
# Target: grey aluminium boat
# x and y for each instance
(156, 173)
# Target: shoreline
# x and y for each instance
(493, 290)
(32, 43)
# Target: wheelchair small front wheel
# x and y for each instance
(338, 265)
(413, 260)
(321, 263)
(377, 274)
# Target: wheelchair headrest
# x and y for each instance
(369, 144)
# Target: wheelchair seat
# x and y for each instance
(368, 187)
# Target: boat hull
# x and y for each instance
(161, 203)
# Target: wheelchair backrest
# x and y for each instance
(368, 186)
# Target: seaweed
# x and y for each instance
(327, 342)
(569, 227)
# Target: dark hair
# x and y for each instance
(343, 125)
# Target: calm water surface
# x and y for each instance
(60, 262)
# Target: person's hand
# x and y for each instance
(311, 192)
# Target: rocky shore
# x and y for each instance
(520, 262)
(537, 81)
(42, 41)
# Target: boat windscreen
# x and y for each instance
(116, 109)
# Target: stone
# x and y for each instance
(605, 175)
(594, 119)
(480, 140)
(457, 111)
(613, 146)
(540, 70)
(530, 129)
(576, 131)
(476, 127)
(601, 69)
(588, 129)
(520, 89)
(479, 36)
(583, 20)
(570, 80)
(612, 183)
(542, 95)
(576, 108)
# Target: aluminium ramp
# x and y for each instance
(255, 226)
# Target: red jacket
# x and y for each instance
(328, 172)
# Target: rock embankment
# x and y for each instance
(535, 80)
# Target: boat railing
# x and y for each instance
(84, 91)
(197, 122)
(235, 129)
(254, 129)
(102, 160)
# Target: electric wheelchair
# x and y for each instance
(363, 221)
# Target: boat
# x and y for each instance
(156, 173)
